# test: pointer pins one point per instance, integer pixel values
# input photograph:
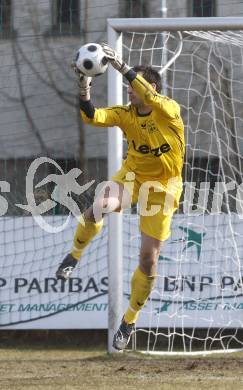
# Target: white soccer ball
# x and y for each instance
(91, 60)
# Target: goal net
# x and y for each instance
(197, 301)
(196, 304)
(41, 139)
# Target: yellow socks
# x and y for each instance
(84, 234)
(142, 286)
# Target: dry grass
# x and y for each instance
(69, 369)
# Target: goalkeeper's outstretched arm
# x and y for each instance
(84, 84)
(144, 89)
(102, 117)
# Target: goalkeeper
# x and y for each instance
(154, 131)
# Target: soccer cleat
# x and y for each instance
(122, 336)
(66, 268)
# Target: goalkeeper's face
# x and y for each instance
(133, 97)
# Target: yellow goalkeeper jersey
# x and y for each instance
(155, 141)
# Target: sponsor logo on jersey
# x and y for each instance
(146, 149)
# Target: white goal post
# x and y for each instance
(116, 29)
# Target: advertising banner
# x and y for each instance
(199, 281)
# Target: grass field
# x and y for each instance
(52, 368)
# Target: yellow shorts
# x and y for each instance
(157, 202)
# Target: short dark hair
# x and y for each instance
(150, 75)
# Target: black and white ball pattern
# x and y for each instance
(91, 59)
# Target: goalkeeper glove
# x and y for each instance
(84, 82)
(115, 60)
